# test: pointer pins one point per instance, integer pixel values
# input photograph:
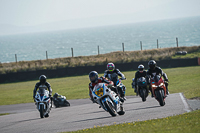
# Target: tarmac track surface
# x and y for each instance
(84, 114)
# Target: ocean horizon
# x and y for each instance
(85, 41)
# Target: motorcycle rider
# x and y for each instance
(95, 79)
(155, 70)
(110, 70)
(42, 84)
(140, 73)
(57, 96)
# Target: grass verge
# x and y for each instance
(4, 114)
(184, 123)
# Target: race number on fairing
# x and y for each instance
(99, 92)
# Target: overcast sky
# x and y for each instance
(37, 12)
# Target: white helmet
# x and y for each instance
(141, 67)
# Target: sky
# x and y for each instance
(36, 15)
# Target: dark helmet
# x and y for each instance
(110, 67)
(152, 64)
(42, 78)
(56, 95)
(93, 76)
(141, 67)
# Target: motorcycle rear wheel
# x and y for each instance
(110, 108)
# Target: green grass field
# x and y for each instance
(184, 123)
(184, 79)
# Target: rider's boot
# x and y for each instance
(123, 93)
(121, 99)
(167, 92)
(137, 93)
(123, 96)
(51, 102)
(151, 93)
(121, 107)
(166, 84)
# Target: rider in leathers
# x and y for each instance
(155, 70)
(93, 76)
(42, 84)
(140, 73)
(110, 70)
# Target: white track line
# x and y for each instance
(187, 108)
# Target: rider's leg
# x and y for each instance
(151, 91)
(123, 92)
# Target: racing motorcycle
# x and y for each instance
(107, 99)
(158, 89)
(43, 102)
(60, 101)
(142, 88)
(120, 88)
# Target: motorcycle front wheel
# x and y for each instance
(67, 103)
(143, 94)
(160, 97)
(110, 108)
(41, 111)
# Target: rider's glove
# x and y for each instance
(166, 79)
(123, 78)
(109, 85)
(49, 95)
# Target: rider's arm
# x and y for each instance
(49, 88)
(136, 77)
(90, 91)
(105, 74)
(148, 76)
(120, 74)
(35, 89)
(106, 81)
(163, 74)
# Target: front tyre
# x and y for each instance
(66, 103)
(143, 94)
(160, 97)
(41, 111)
(110, 108)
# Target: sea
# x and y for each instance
(106, 39)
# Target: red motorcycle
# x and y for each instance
(158, 89)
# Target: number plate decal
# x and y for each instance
(99, 92)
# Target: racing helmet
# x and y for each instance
(93, 76)
(42, 79)
(110, 67)
(152, 64)
(56, 95)
(141, 68)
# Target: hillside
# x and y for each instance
(115, 57)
